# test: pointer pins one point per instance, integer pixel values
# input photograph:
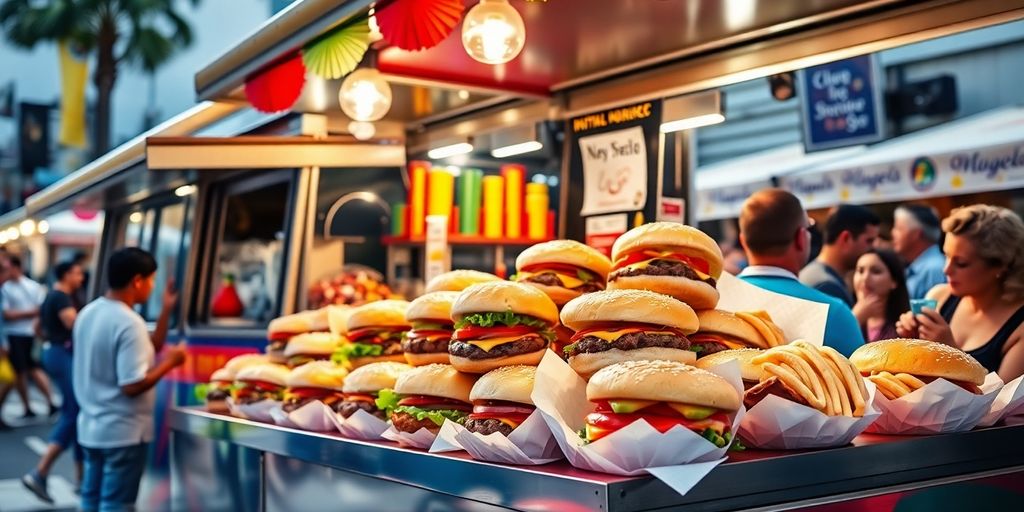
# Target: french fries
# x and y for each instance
(762, 322)
(820, 376)
(895, 386)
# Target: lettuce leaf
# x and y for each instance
(387, 401)
(435, 415)
(429, 326)
(585, 276)
(507, 318)
(200, 390)
(346, 352)
(717, 440)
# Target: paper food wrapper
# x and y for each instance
(938, 408)
(280, 417)
(256, 411)
(780, 424)
(1007, 405)
(800, 319)
(315, 416)
(361, 425)
(531, 443)
(421, 439)
(679, 457)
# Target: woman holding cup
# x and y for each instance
(981, 309)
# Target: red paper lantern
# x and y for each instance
(418, 24)
(276, 88)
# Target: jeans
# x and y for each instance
(112, 477)
(57, 363)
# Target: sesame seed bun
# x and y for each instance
(569, 252)
(374, 377)
(272, 373)
(501, 296)
(458, 280)
(509, 383)
(663, 381)
(640, 306)
(440, 380)
(317, 374)
(312, 343)
(668, 235)
(382, 313)
(919, 358)
(431, 306)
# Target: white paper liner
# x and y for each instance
(560, 395)
(314, 416)
(256, 411)
(1009, 403)
(531, 443)
(361, 425)
(280, 417)
(421, 439)
(939, 407)
(799, 319)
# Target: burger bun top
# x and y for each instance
(317, 374)
(639, 306)
(431, 306)
(502, 296)
(267, 372)
(569, 252)
(312, 343)
(509, 383)
(666, 235)
(235, 364)
(748, 370)
(458, 280)
(663, 381)
(920, 358)
(440, 380)
(382, 313)
(374, 377)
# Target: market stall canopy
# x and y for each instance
(978, 153)
(722, 187)
(569, 43)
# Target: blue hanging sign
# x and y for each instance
(841, 104)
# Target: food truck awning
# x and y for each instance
(978, 153)
(722, 187)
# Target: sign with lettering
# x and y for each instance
(841, 104)
(613, 164)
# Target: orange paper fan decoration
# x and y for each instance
(418, 24)
(278, 87)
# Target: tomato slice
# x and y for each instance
(613, 422)
(474, 332)
(428, 333)
(619, 326)
(516, 418)
(310, 392)
(359, 397)
(425, 401)
(280, 336)
(696, 263)
(263, 385)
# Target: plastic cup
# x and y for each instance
(916, 305)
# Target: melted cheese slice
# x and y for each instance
(610, 336)
(567, 281)
(488, 344)
(646, 263)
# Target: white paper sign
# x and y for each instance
(799, 319)
(614, 171)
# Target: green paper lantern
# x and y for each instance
(339, 52)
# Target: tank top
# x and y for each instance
(990, 355)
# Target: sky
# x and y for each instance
(216, 26)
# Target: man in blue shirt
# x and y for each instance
(915, 237)
(775, 233)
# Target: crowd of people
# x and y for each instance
(958, 281)
(101, 358)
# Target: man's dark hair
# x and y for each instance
(80, 258)
(849, 217)
(14, 260)
(770, 219)
(125, 264)
(62, 269)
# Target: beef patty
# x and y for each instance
(406, 422)
(349, 407)
(521, 346)
(549, 279)
(425, 346)
(488, 426)
(662, 268)
(631, 341)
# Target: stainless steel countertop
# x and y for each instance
(872, 465)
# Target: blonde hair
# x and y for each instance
(998, 237)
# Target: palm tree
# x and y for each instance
(144, 33)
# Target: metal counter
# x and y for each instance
(310, 471)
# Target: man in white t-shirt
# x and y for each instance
(114, 371)
(20, 298)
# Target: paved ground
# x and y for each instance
(19, 452)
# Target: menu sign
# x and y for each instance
(841, 104)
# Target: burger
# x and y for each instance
(260, 382)
(337, 318)
(431, 318)
(501, 400)
(627, 325)
(750, 372)
(375, 332)
(500, 324)
(363, 385)
(721, 330)
(282, 329)
(900, 366)
(458, 280)
(669, 258)
(426, 396)
(315, 380)
(562, 269)
(664, 394)
(311, 346)
(217, 391)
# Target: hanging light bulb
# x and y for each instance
(362, 130)
(493, 32)
(365, 95)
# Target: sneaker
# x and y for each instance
(37, 485)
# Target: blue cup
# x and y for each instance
(916, 305)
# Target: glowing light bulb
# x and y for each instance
(365, 95)
(27, 227)
(362, 130)
(493, 32)
(43, 227)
